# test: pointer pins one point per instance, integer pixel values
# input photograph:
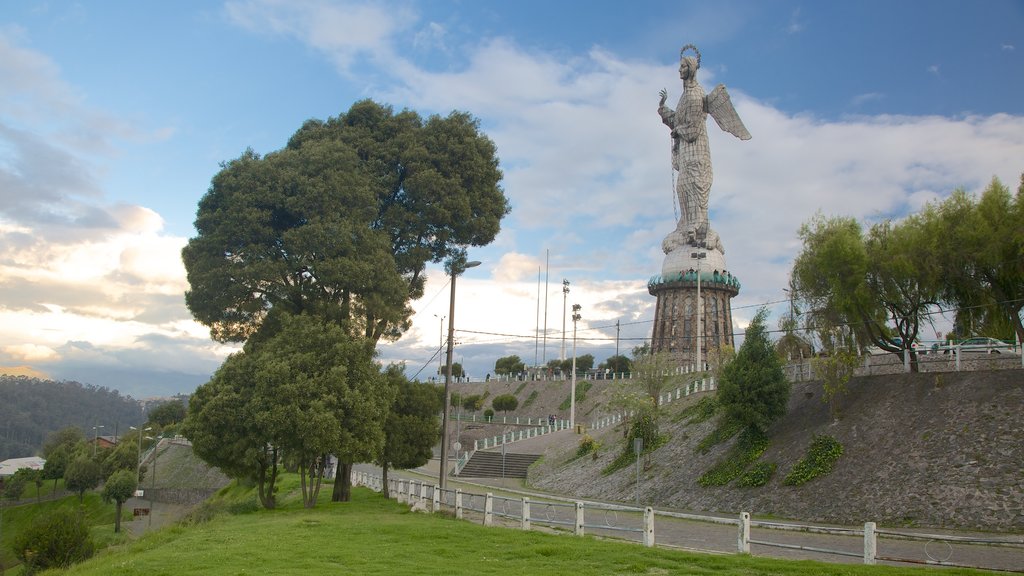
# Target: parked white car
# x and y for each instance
(981, 344)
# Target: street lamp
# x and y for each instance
(698, 256)
(565, 293)
(138, 459)
(440, 342)
(572, 389)
(96, 439)
(456, 266)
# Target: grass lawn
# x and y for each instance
(371, 535)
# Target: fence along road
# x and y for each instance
(868, 544)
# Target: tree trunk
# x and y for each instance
(117, 518)
(384, 479)
(343, 483)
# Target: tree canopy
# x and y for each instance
(342, 221)
(877, 289)
(118, 488)
(509, 365)
(310, 390)
(505, 403)
(753, 390)
(412, 427)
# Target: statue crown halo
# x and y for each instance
(695, 51)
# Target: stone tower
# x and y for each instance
(694, 290)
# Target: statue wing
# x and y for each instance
(719, 105)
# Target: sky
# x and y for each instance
(114, 116)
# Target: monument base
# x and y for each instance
(675, 316)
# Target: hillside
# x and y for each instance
(32, 408)
(943, 450)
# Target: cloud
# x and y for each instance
(861, 99)
(934, 69)
(1006, 47)
(345, 31)
(796, 24)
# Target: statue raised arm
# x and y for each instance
(691, 155)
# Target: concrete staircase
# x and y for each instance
(485, 464)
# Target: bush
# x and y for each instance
(56, 540)
(587, 445)
(488, 415)
(749, 447)
(758, 475)
(822, 455)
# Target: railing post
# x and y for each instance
(423, 491)
(649, 527)
(488, 509)
(458, 503)
(437, 499)
(579, 519)
(870, 543)
(399, 496)
(744, 536)
(525, 521)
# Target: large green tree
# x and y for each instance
(505, 403)
(342, 221)
(753, 390)
(411, 428)
(870, 290)
(980, 243)
(308, 391)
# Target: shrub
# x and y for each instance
(587, 445)
(749, 447)
(488, 415)
(758, 475)
(821, 456)
(56, 540)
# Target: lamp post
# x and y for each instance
(572, 389)
(457, 266)
(698, 256)
(96, 439)
(138, 459)
(440, 342)
(565, 294)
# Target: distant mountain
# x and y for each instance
(31, 408)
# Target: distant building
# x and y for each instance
(10, 466)
(104, 441)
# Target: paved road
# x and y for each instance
(552, 511)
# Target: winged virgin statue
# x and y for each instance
(691, 156)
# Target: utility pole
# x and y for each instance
(572, 390)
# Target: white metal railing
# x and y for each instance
(639, 523)
(702, 385)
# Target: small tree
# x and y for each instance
(119, 488)
(56, 464)
(411, 428)
(618, 364)
(81, 475)
(753, 390)
(55, 540)
(473, 403)
(168, 413)
(15, 484)
(509, 365)
(505, 403)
